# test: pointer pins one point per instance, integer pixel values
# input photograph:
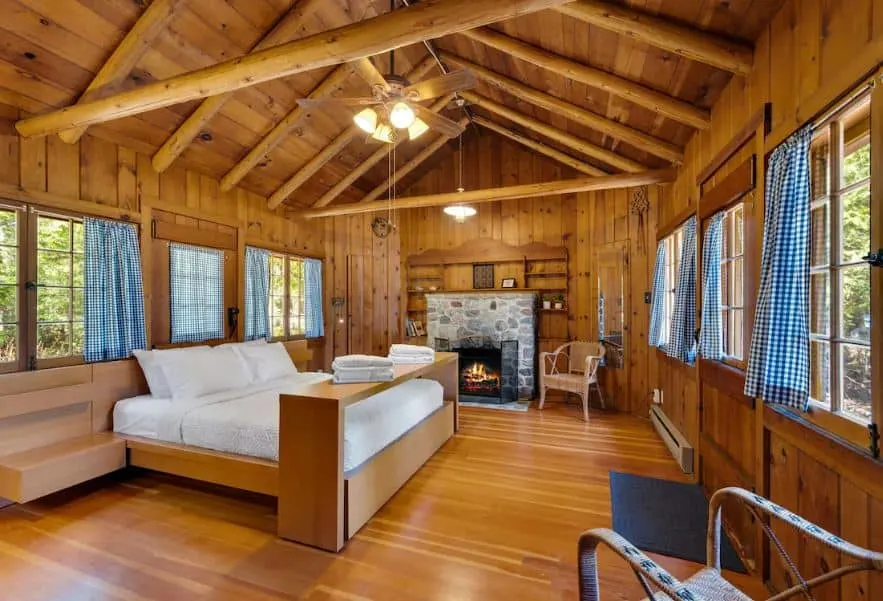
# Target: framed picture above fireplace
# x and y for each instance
(482, 276)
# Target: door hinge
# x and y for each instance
(874, 434)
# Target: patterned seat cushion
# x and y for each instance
(711, 585)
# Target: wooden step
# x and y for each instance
(38, 472)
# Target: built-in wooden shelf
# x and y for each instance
(547, 274)
(564, 310)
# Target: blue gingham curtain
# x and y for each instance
(711, 332)
(681, 338)
(197, 292)
(778, 363)
(114, 292)
(315, 327)
(657, 295)
(257, 293)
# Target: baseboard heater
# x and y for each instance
(673, 439)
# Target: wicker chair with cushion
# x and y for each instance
(572, 367)
(708, 584)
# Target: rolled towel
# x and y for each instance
(411, 359)
(361, 361)
(411, 349)
(353, 376)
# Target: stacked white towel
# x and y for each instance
(411, 354)
(351, 369)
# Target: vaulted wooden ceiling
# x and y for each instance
(641, 104)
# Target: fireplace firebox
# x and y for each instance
(481, 373)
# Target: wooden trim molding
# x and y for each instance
(67, 203)
(762, 117)
(674, 223)
(490, 251)
(185, 234)
(729, 191)
(726, 378)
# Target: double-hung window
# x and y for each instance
(673, 246)
(10, 282)
(845, 202)
(732, 282)
(287, 297)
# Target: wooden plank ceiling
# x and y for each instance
(52, 50)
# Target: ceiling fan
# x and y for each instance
(395, 105)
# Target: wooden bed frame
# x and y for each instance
(318, 504)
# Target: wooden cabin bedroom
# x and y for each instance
(367, 300)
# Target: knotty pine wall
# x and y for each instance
(584, 223)
(812, 52)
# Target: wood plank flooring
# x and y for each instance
(494, 515)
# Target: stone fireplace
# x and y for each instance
(506, 319)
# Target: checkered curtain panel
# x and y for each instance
(315, 328)
(114, 293)
(711, 333)
(778, 362)
(197, 292)
(681, 339)
(657, 295)
(257, 293)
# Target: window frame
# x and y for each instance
(727, 260)
(673, 243)
(829, 416)
(22, 346)
(223, 315)
(287, 259)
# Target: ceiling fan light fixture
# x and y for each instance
(401, 115)
(384, 133)
(460, 212)
(417, 129)
(366, 120)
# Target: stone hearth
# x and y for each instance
(495, 315)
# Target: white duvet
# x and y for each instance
(246, 421)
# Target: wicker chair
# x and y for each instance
(708, 584)
(581, 361)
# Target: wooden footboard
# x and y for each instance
(312, 489)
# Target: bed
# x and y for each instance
(331, 454)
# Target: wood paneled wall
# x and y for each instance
(584, 223)
(812, 52)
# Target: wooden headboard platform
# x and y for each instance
(55, 424)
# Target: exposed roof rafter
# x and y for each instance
(665, 105)
(365, 38)
(149, 25)
(282, 31)
(577, 114)
(688, 42)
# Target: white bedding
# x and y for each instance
(246, 421)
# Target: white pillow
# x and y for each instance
(151, 364)
(197, 374)
(246, 343)
(267, 361)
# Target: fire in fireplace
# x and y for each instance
(481, 372)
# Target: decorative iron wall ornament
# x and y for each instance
(639, 205)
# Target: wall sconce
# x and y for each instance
(337, 303)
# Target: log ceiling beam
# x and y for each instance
(553, 133)
(577, 114)
(409, 25)
(665, 105)
(553, 188)
(333, 149)
(407, 168)
(149, 25)
(682, 40)
(378, 155)
(283, 30)
(553, 153)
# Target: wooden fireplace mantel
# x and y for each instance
(488, 250)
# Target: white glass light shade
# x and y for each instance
(366, 120)
(460, 212)
(417, 129)
(384, 133)
(401, 116)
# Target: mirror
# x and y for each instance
(612, 276)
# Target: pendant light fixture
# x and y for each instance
(366, 120)
(401, 116)
(460, 211)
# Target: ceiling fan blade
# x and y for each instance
(367, 71)
(342, 103)
(446, 84)
(443, 125)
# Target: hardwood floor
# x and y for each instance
(495, 515)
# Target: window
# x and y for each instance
(840, 308)
(9, 289)
(59, 280)
(196, 276)
(732, 283)
(287, 303)
(673, 246)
